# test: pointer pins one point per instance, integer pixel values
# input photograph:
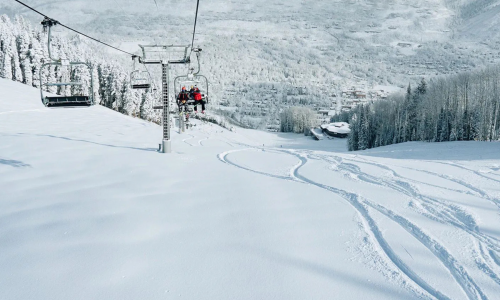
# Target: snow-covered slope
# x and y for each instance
(480, 20)
(90, 210)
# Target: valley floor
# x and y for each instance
(90, 210)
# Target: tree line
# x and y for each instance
(463, 107)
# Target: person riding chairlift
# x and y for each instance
(182, 99)
(198, 99)
(191, 93)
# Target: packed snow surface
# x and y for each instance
(90, 210)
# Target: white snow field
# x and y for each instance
(90, 210)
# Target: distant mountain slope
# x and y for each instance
(480, 21)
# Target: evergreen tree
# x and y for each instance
(6, 37)
(363, 125)
(422, 87)
(352, 139)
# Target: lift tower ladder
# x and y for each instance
(165, 55)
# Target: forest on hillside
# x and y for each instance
(462, 107)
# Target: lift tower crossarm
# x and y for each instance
(183, 49)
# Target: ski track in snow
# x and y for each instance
(478, 173)
(463, 279)
(451, 214)
(413, 191)
(189, 138)
(395, 174)
(200, 142)
(223, 157)
(352, 199)
(479, 191)
(486, 263)
(448, 213)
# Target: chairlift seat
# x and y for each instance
(192, 80)
(195, 102)
(141, 86)
(62, 83)
(53, 101)
(62, 101)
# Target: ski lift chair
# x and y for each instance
(189, 80)
(64, 101)
(193, 79)
(139, 79)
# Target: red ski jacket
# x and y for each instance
(197, 96)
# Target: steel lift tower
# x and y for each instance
(165, 55)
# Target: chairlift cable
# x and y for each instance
(31, 8)
(150, 77)
(97, 40)
(69, 28)
(195, 20)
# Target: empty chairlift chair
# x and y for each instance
(62, 101)
(139, 79)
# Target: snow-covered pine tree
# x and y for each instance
(35, 55)
(352, 140)
(363, 135)
(6, 37)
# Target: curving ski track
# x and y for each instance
(448, 213)
(200, 142)
(463, 279)
(189, 138)
(223, 157)
(445, 213)
(478, 173)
